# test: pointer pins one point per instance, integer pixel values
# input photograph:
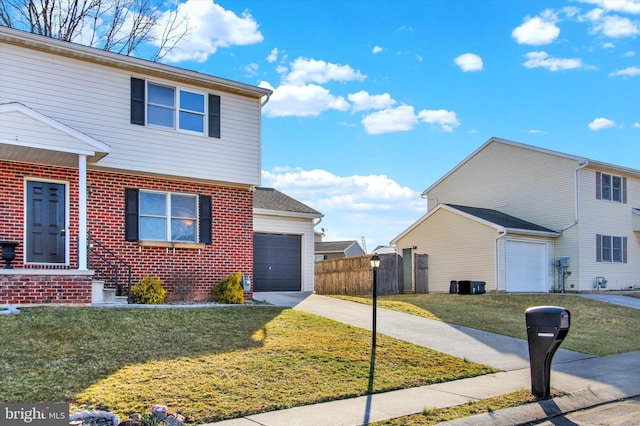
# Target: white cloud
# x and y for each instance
(636, 125)
(447, 120)
(629, 54)
(314, 71)
(397, 119)
(362, 101)
(252, 69)
(601, 123)
(624, 6)
(608, 45)
(273, 55)
(376, 49)
(469, 62)
(353, 206)
(627, 72)
(211, 27)
(301, 101)
(543, 60)
(535, 131)
(616, 27)
(537, 30)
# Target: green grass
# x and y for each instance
(432, 416)
(208, 364)
(597, 328)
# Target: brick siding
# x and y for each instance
(232, 227)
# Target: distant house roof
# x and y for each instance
(502, 219)
(334, 246)
(270, 200)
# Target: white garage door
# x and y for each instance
(526, 268)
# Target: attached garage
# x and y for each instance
(283, 242)
(526, 267)
(277, 262)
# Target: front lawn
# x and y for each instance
(206, 363)
(597, 328)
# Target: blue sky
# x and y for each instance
(375, 100)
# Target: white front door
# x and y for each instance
(526, 267)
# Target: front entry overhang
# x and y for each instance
(29, 136)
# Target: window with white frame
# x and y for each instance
(189, 114)
(611, 249)
(168, 217)
(611, 187)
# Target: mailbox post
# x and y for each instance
(547, 326)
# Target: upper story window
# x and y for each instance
(611, 187)
(611, 249)
(174, 108)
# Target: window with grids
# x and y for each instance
(174, 108)
(611, 249)
(168, 217)
(611, 187)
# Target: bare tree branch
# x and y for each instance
(120, 26)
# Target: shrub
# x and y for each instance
(229, 290)
(148, 291)
(184, 283)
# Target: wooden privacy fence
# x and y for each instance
(354, 275)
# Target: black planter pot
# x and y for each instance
(8, 252)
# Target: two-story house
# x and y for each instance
(120, 167)
(527, 219)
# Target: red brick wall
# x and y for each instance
(24, 289)
(232, 228)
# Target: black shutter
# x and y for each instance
(598, 247)
(214, 116)
(137, 101)
(598, 186)
(205, 219)
(131, 214)
(624, 190)
(624, 249)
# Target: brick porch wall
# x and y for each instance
(25, 287)
(232, 228)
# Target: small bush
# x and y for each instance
(148, 291)
(229, 290)
(184, 283)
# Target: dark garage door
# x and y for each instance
(276, 262)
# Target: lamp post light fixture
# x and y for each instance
(375, 264)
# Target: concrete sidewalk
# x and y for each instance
(587, 380)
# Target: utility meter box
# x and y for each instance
(563, 261)
(547, 327)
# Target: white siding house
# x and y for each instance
(509, 212)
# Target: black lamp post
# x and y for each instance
(375, 263)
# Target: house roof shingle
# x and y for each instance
(333, 246)
(272, 199)
(501, 219)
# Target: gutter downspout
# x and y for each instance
(497, 263)
(575, 196)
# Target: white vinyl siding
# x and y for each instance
(293, 226)
(530, 185)
(44, 82)
(458, 248)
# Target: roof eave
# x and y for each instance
(269, 212)
(90, 54)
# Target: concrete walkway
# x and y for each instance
(587, 380)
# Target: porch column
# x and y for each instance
(82, 212)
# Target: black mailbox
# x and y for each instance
(547, 326)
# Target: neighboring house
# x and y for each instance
(527, 219)
(283, 242)
(336, 249)
(114, 167)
